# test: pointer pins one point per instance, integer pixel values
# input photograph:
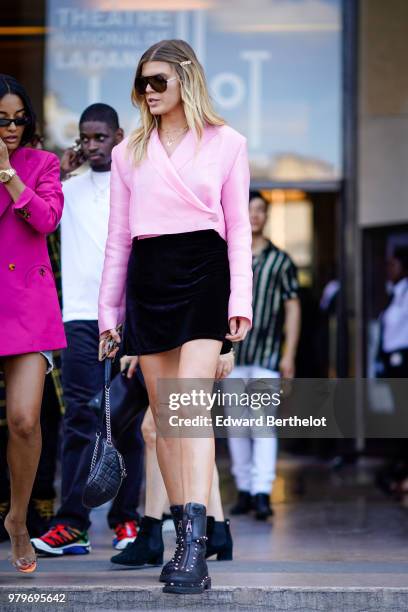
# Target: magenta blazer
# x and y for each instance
(30, 316)
(201, 186)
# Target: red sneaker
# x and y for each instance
(125, 534)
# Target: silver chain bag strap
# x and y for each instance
(107, 465)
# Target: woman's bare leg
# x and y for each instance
(198, 360)
(187, 464)
(156, 367)
(156, 495)
(215, 505)
(24, 379)
(157, 501)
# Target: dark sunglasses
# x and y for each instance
(157, 82)
(18, 121)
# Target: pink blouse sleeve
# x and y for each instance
(118, 246)
(234, 198)
(42, 206)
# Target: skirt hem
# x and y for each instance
(188, 339)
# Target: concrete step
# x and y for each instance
(242, 599)
(344, 549)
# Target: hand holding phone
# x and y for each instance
(72, 159)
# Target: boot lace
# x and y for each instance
(179, 544)
(192, 548)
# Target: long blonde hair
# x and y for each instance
(193, 88)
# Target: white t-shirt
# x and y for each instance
(395, 319)
(84, 229)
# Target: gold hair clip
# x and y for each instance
(185, 63)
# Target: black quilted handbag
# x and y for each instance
(107, 465)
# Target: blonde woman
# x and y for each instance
(179, 249)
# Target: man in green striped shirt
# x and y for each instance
(268, 351)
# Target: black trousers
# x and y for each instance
(82, 379)
(44, 483)
(130, 443)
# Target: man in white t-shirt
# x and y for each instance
(84, 228)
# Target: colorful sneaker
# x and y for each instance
(125, 534)
(62, 540)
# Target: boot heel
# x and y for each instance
(219, 540)
(225, 555)
(207, 584)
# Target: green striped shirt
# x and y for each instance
(274, 281)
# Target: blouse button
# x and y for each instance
(12, 266)
(42, 271)
(24, 212)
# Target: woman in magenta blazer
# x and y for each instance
(178, 269)
(31, 204)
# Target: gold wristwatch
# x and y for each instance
(7, 175)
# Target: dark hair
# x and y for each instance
(9, 85)
(101, 112)
(401, 253)
(257, 194)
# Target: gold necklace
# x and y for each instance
(171, 136)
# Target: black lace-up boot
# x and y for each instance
(177, 516)
(148, 547)
(191, 575)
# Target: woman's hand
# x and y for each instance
(129, 363)
(225, 365)
(239, 327)
(4, 156)
(109, 342)
(287, 366)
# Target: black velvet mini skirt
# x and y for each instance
(177, 289)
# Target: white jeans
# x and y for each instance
(253, 459)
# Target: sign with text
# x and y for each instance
(273, 70)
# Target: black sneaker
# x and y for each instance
(262, 506)
(243, 504)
